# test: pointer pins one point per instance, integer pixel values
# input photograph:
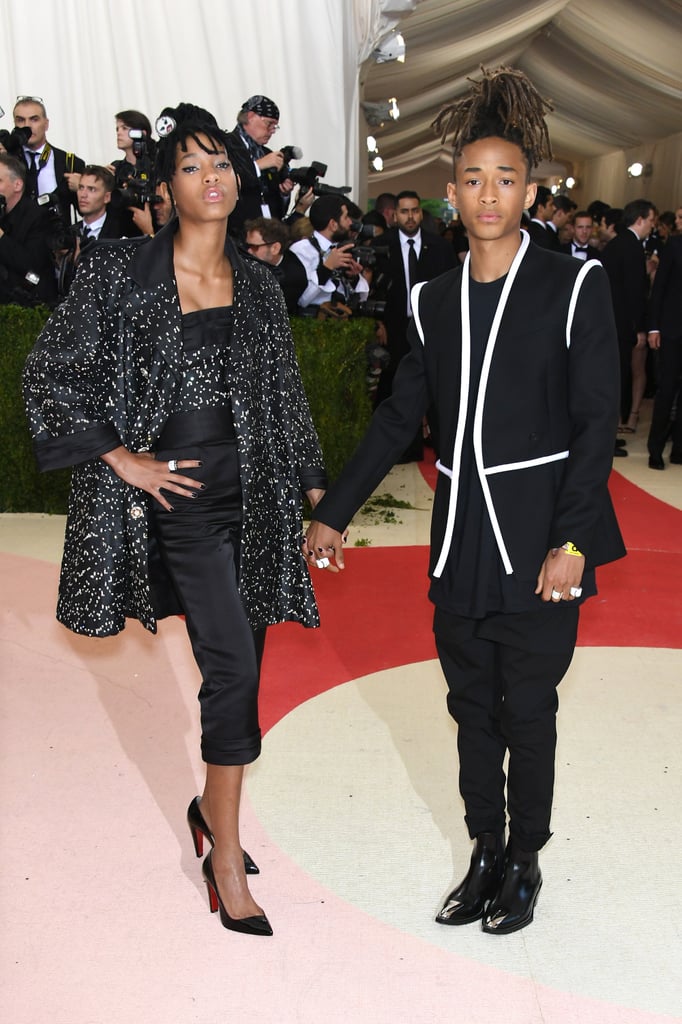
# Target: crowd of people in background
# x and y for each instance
(331, 258)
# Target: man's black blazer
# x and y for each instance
(251, 186)
(436, 256)
(547, 238)
(665, 307)
(624, 262)
(24, 249)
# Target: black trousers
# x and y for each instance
(502, 674)
(669, 379)
(199, 544)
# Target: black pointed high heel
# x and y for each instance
(199, 829)
(257, 925)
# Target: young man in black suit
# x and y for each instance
(515, 355)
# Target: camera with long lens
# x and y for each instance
(309, 178)
(137, 188)
(15, 141)
(57, 234)
(368, 255)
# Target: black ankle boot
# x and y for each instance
(512, 906)
(467, 902)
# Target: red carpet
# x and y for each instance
(376, 615)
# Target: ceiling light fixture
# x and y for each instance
(376, 114)
(391, 48)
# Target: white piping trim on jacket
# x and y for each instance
(577, 285)
(414, 304)
(526, 464)
(478, 416)
(465, 372)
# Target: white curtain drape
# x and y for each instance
(90, 58)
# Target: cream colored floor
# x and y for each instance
(353, 816)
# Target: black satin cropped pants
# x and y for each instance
(199, 544)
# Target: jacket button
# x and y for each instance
(532, 437)
(136, 511)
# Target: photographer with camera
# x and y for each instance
(26, 269)
(332, 271)
(50, 170)
(263, 191)
(135, 194)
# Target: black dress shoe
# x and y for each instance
(676, 458)
(656, 462)
(620, 442)
(467, 902)
(512, 906)
(619, 453)
(200, 830)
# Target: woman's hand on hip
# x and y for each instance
(141, 469)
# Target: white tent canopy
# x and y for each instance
(90, 58)
(610, 66)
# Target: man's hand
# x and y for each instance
(559, 573)
(321, 544)
(73, 180)
(641, 339)
(142, 218)
(275, 159)
(341, 259)
(654, 339)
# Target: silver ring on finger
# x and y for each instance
(321, 563)
(557, 595)
(172, 465)
(576, 591)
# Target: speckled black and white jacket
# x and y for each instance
(105, 371)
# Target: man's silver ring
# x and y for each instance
(321, 563)
(172, 465)
(557, 595)
(576, 591)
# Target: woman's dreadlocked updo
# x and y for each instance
(190, 122)
(503, 104)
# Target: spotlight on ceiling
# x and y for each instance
(391, 48)
(371, 144)
(376, 114)
(571, 182)
(377, 164)
(638, 170)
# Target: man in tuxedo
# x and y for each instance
(665, 337)
(624, 262)
(50, 169)
(579, 246)
(414, 255)
(262, 191)
(268, 240)
(564, 208)
(94, 196)
(26, 269)
(540, 214)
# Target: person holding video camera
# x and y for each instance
(26, 269)
(134, 175)
(332, 271)
(264, 187)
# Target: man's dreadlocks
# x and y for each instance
(504, 104)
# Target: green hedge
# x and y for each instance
(333, 366)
